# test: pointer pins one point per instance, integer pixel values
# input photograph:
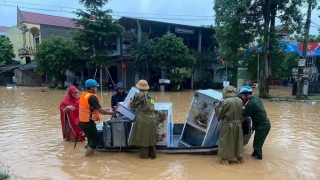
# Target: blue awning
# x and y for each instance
(288, 48)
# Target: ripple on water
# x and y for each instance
(33, 147)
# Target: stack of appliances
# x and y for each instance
(117, 132)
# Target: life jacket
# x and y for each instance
(86, 112)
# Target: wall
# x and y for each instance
(15, 36)
(28, 78)
(48, 31)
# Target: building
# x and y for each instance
(3, 30)
(30, 30)
(195, 37)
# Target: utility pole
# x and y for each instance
(305, 46)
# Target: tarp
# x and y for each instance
(313, 48)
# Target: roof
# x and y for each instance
(36, 18)
(30, 66)
(4, 28)
(127, 19)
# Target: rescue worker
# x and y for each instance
(120, 96)
(231, 136)
(254, 108)
(89, 109)
(144, 133)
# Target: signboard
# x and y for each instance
(242, 77)
(184, 31)
(302, 62)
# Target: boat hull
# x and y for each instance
(177, 130)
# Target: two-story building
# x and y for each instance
(194, 37)
(31, 28)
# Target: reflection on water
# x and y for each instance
(32, 145)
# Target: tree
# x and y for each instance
(55, 55)
(204, 62)
(253, 21)
(167, 52)
(142, 54)
(7, 53)
(98, 32)
(172, 53)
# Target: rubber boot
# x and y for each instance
(89, 152)
(152, 152)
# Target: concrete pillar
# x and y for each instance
(199, 41)
(136, 77)
(139, 33)
(168, 30)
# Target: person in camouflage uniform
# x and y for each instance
(144, 133)
(231, 136)
(254, 108)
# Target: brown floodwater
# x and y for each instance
(32, 145)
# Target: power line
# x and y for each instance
(119, 12)
(205, 19)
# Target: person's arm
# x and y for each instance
(66, 109)
(93, 101)
(223, 109)
(113, 103)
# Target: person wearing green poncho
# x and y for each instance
(144, 134)
(254, 108)
(231, 136)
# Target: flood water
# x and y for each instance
(32, 145)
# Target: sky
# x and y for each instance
(188, 12)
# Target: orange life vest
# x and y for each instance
(86, 112)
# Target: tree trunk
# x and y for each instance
(265, 73)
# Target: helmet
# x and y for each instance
(120, 85)
(91, 83)
(245, 89)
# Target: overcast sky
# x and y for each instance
(196, 12)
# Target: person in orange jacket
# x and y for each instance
(89, 111)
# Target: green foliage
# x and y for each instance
(96, 37)
(205, 59)
(143, 55)
(240, 24)
(205, 81)
(93, 3)
(171, 52)
(55, 55)
(168, 51)
(7, 53)
(4, 175)
(312, 37)
(177, 80)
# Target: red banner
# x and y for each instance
(311, 46)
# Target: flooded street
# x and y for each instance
(32, 145)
